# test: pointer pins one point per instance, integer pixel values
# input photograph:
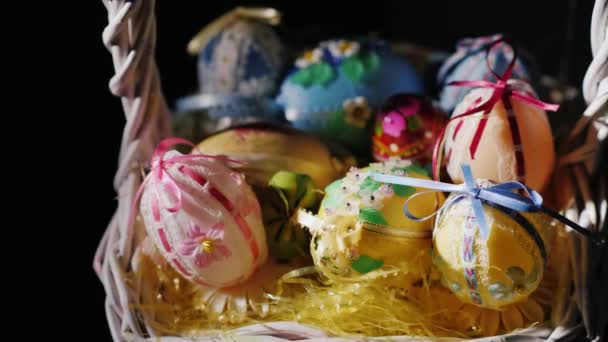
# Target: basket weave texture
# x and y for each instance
(131, 36)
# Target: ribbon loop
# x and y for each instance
(503, 195)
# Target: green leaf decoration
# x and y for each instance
(365, 264)
(413, 123)
(332, 192)
(322, 73)
(417, 169)
(305, 192)
(369, 184)
(378, 130)
(372, 215)
(333, 186)
(371, 62)
(284, 199)
(318, 73)
(429, 169)
(403, 190)
(303, 77)
(353, 68)
(335, 124)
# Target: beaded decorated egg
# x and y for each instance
(407, 127)
(516, 145)
(468, 63)
(502, 269)
(361, 234)
(203, 218)
(335, 88)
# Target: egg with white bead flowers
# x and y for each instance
(204, 219)
(334, 88)
(492, 272)
(515, 145)
(361, 232)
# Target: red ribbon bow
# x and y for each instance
(502, 90)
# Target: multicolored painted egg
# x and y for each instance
(361, 234)
(240, 60)
(468, 63)
(407, 127)
(335, 88)
(204, 218)
(504, 268)
(498, 157)
(267, 150)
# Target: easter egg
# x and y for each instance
(243, 58)
(204, 219)
(497, 157)
(468, 63)
(335, 88)
(502, 269)
(361, 233)
(407, 127)
(266, 150)
(239, 65)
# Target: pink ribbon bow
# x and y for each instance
(501, 91)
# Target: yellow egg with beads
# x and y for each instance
(362, 234)
(502, 269)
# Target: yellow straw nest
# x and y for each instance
(295, 292)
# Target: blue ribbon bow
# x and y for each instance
(501, 195)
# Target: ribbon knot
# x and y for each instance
(477, 193)
(506, 195)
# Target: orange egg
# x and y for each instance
(496, 155)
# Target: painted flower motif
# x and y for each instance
(205, 246)
(309, 57)
(393, 124)
(357, 111)
(343, 48)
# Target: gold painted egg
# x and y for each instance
(503, 269)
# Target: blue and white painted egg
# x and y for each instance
(239, 69)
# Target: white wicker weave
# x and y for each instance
(130, 37)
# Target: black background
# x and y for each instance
(63, 130)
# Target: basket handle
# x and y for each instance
(130, 36)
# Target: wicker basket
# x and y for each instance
(130, 37)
